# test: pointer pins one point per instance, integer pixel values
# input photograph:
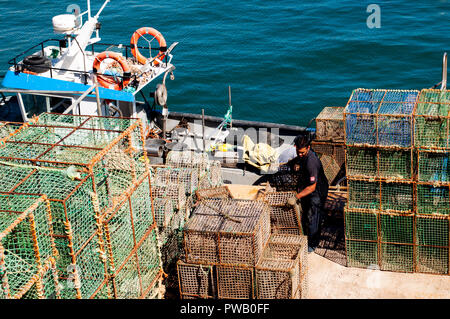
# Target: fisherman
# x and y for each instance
(312, 188)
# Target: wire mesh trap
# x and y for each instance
(227, 231)
(282, 271)
(330, 124)
(209, 172)
(431, 120)
(196, 281)
(284, 218)
(388, 164)
(214, 192)
(27, 249)
(129, 243)
(380, 118)
(335, 150)
(89, 167)
(82, 144)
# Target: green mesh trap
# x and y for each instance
(383, 163)
(395, 164)
(432, 244)
(87, 166)
(397, 197)
(432, 200)
(432, 120)
(26, 244)
(363, 194)
(361, 162)
(396, 228)
(361, 225)
(380, 118)
(361, 254)
(131, 242)
(8, 128)
(432, 260)
(397, 257)
(434, 167)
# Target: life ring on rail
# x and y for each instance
(108, 81)
(157, 35)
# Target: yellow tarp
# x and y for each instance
(260, 155)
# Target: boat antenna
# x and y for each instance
(89, 8)
(444, 72)
(230, 106)
(101, 9)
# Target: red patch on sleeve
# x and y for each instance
(312, 179)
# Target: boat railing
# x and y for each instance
(18, 65)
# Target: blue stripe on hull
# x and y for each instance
(35, 82)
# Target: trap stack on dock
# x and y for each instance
(85, 165)
(174, 188)
(329, 141)
(431, 133)
(231, 254)
(27, 248)
(384, 226)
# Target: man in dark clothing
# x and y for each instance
(312, 188)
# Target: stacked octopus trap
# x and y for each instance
(243, 249)
(77, 218)
(397, 149)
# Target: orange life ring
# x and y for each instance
(106, 81)
(157, 35)
(29, 72)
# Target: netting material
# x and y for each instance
(379, 163)
(235, 282)
(26, 245)
(174, 187)
(330, 124)
(364, 194)
(45, 284)
(283, 217)
(361, 225)
(432, 244)
(196, 281)
(131, 242)
(209, 172)
(361, 254)
(282, 272)
(380, 118)
(432, 200)
(336, 150)
(215, 192)
(397, 197)
(432, 120)
(433, 167)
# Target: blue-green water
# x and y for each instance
(285, 60)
